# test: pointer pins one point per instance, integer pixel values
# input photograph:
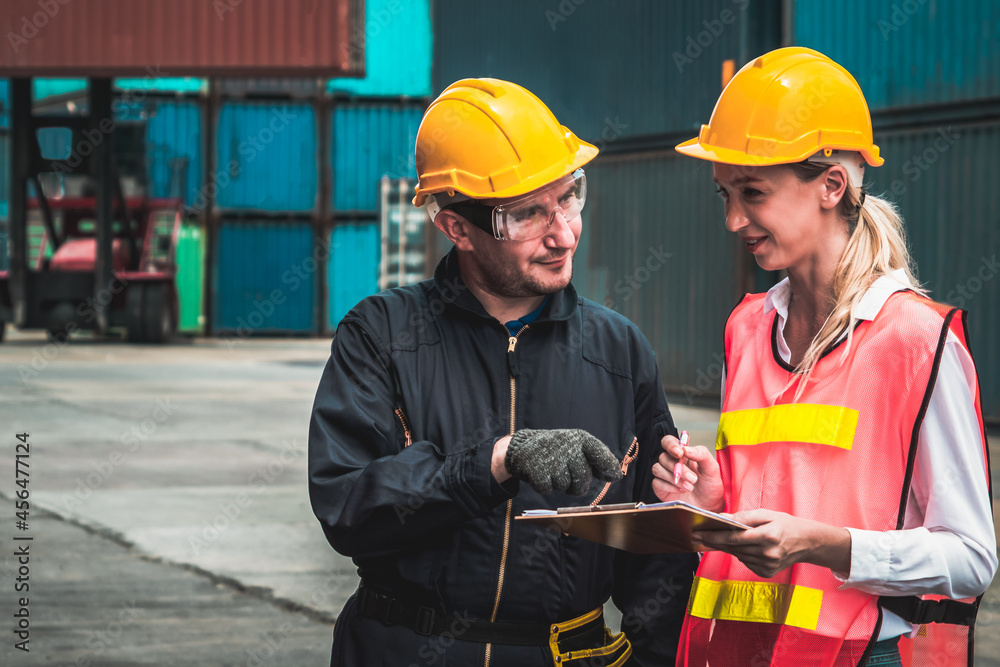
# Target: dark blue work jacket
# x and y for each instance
(420, 383)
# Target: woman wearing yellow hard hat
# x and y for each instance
(851, 438)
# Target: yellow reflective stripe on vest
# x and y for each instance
(756, 602)
(802, 422)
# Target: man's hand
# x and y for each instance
(557, 460)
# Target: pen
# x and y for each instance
(679, 466)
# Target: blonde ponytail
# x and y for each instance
(876, 247)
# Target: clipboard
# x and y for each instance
(658, 528)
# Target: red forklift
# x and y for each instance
(88, 263)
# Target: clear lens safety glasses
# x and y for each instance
(531, 216)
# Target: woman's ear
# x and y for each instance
(834, 184)
(455, 227)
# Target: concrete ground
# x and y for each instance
(169, 517)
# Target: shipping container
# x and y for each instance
(174, 150)
(944, 180)
(191, 279)
(4, 173)
(655, 248)
(913, 53)
(609, 71)
(396, 40)
(171, 38)
(266, 156)
(370, 141)
(352, 270)
(264, 276)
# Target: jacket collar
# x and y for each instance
(452, 290)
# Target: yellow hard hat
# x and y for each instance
(783, 107)
(487, 138)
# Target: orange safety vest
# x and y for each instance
(842, 454)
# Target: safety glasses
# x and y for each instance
(531, 216)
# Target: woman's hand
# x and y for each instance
(777, 541)
(700, 483)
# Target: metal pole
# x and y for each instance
(103, 171)
(20, 99)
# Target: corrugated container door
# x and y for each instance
(910, 53)
(353, 267)
(371, 141)
(264, 278)
(191, 279)
(173, 142)
(944, 180)
(665, 262)
(266, 156)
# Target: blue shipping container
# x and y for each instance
(266, 157)
(368, 142)
(352, 270)
(908, 53)
(264, 278)
(397, 40)
(173, 149)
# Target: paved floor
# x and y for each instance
(176, 529)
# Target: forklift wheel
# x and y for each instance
(150, 318)
(3, 327)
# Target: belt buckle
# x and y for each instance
(424, 624)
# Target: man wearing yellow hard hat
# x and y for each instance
(451, 406)
(851, 439)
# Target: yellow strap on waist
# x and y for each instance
(756, 602)
(801, 422)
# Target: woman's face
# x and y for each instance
(782, 221)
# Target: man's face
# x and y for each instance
(539, 266)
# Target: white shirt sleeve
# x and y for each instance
(947, 545)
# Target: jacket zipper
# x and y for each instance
(630, 455)
(511, 344)
(407, 434)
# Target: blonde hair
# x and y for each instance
(876, 247)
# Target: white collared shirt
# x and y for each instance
(947, 545)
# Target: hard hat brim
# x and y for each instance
(693, 148)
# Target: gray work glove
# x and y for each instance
(560, 460)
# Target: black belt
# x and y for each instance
(426, 621)
(919, 611)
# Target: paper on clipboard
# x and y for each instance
(642, 529)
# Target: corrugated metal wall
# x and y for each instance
(608, 70)
(264, 277)
(944, 179)
(397, 46)
(666, 262)
(367, 142)
(174, 150)
(352, 271)
(908, 53)
(267, 156)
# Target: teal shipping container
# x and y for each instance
(912, 53)
(609, 71)
(397, 41)
(665, 262)
(371, 140)
(264, 277)
(174, 150)
(266, 157)
(352, 270)
(944, 180)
